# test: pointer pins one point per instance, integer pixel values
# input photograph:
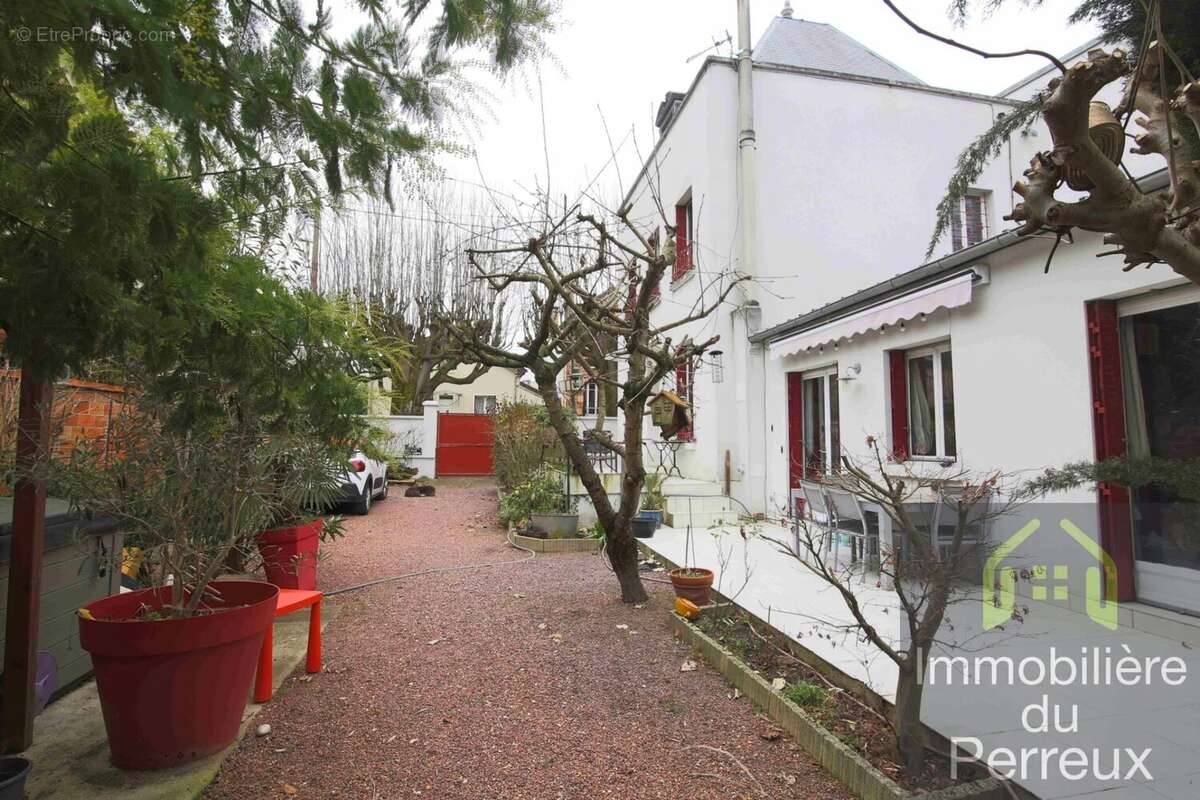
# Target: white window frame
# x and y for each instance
(960, 210)
(591, 398)
(939, 413)
(825, 374)
(1159, 300)
(495, 403)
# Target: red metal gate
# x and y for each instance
(464, 444)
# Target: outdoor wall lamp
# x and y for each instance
(851, 372)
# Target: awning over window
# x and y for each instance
(947, 294)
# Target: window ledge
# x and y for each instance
(684, 278)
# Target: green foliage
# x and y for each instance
(92, 241)
(512, 30)
(541, 493)
(192, 502)
(652, 497)
(1179, 475)
(522, 441)
(976, 156)
(805, 694)
(136, 138)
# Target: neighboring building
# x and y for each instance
(482, 396)
(977, 356)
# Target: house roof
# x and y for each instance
(1046, 70)
(816, 45)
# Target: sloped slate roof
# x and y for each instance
(815, 45)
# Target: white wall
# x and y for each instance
(848, 174)
(499, 382)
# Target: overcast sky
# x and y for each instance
(620, 56)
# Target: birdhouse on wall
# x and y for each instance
(669, 413)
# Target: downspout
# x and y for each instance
(747, 145)
(746, 316)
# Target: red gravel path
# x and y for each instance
(498, 708)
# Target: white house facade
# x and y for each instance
(976, 356)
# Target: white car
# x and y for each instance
(366, 482)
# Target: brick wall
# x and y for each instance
(81, 411)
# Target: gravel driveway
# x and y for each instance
(518, 681)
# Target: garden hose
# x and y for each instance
(436, 570)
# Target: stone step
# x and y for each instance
(703, 503)
(688, 486)
(702, 520)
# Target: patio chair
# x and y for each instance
(817, 509)
(945, 517)
(849, 521)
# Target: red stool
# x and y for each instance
(290, 600)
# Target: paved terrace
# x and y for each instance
(776, 588)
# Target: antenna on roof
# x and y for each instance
(787, 9)
(716, 43)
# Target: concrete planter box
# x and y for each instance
(864, 780)
(559, 526)
(588, 545)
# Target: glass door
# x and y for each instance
(1160, 361)
(822, 446)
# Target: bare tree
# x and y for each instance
(407, 269)
(929, 569)
(592, 280)
(1145, 228)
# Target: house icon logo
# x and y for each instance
(1100, 588)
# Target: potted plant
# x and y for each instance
(541, 501)
(653, 501)
(174, 661)
(691, 583)
(307, 478)
(643, 525)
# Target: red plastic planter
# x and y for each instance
(174, 690)
(290, 555)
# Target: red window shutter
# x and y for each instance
(898, 367)
(683, 245)
(683, 388)
(795, 400)
(1108, 424)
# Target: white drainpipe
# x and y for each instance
(747, 142)
(750, 427)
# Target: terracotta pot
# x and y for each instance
(174, 690)
(696, 587)
(290, 555)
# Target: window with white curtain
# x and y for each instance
(822, 445)
(931, 403)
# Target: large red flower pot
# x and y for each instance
(290, 555)
(174, 690)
